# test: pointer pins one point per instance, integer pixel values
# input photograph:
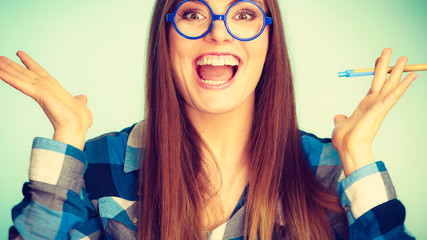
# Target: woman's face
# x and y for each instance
(217, 89)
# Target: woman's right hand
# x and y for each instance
(69, 115)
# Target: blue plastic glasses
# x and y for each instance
(244, 20)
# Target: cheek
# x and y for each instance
(175, 53)
(257, 52)
(173, 48)
(264, 43)
(179, 50)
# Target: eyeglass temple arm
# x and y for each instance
(169, 17)
(268, 20)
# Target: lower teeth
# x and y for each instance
(210, 82)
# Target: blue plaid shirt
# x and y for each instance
(91, 194)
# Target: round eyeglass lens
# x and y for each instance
(245, 20)
(193, 18)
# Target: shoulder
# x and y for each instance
(319, 151)
(98, 149)
(108, 158)
(322, 157)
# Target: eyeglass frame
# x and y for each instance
(170, 17)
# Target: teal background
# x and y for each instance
(97, 48)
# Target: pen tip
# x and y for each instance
(342, 74)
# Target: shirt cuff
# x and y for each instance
(57, 163)
(365, 189)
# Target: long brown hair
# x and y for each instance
(172, 182)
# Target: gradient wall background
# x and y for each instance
(97, 48)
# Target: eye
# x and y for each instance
(245, 15)
(192, 15)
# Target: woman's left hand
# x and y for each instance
(353, 136)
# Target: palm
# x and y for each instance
(69, 115)
(353, 136)
(62, 109)
(360, 128)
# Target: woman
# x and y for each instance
(222, 154)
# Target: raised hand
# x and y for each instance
(353, 136)
(69, 115)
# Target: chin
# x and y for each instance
(214, 109)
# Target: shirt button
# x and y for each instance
(346, 208)
(135, 220)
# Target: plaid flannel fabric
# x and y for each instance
(92, 194)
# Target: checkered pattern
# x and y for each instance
(91, 194)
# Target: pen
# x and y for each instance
(371, 71)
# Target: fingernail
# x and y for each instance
(415, 78)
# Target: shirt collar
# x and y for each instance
(134, 148)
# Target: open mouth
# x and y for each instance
(216, 70)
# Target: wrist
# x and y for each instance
(73, 138)
(351, 161)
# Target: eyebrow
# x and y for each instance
(261, 3)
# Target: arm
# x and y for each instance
(56, 205)
(366, 193)
(54, 200)
(371, 205)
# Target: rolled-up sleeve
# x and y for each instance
(370, 201)
(56, 205)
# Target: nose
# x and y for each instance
(219, 33)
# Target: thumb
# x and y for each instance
(339, 118)
(82, 99)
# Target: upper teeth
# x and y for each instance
(220, 60)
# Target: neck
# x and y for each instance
(226, 134)
(225, 158)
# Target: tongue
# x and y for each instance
(216, 73)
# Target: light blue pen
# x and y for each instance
(371, 71)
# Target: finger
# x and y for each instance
(397, 92)
(395, 75)
(31, 64)
(339, 118)
(381, 70)
(376, 62)
(15, 69)
(17, 83)
(82, 99)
